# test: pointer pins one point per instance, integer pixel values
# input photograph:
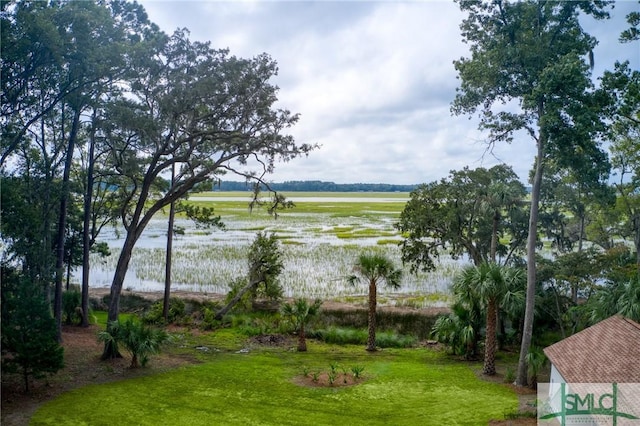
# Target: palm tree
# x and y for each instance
(621, 298)
(300, 313)
(140, 340)
(458, 330)
(490, 284)
(374, 269)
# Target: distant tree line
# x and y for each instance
(315, 186)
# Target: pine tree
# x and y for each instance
(29, 344)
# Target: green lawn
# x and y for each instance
(400, 387)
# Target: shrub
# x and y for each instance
(29, 344)
(137, 338)
(357, 371)
(341, 336)
(352, 336)
(509, 375)
(133, 303)
(256, 324)
(536, 359)
(71, 309)
(209, 321)
(177, 312)
(417, 324)
(456, 333)
(393, 340)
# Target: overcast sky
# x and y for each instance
(372, 80)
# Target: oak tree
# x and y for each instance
(197, 108)
(466, 213)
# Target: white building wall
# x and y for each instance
(554, 389)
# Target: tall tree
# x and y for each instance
(465, 213)
(57, 59)
(563, 279)
(203, 217)
(528, 72)
(99, 202)
(98, 37)
(374, 270)
(569, 201)
(623, 85)
(200, 109)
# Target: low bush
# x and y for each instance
(258, 323)
(71, 309)
(138, 339)
(341, 336)
(130, 303)
(176, 314)
(354, 336)
(417, 324)
(392, 340)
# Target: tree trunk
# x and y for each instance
(86, 231)
(110, 351)
(559, 310)
(490, 345)
(167, 271)
(494, 236)
(67, 278)
(636, 240)
(527, 331)
(25, 376)
(62, 224)
(501, 328)
(134, 361)
(371, 340)
(302, 339)
(574, 285)
(222, 312)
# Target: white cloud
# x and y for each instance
(373, 81)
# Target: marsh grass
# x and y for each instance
(320, 241)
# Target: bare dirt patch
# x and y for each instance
(278, 340)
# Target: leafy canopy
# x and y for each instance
(456, 215)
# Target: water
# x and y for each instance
(316, 260)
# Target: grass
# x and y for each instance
(354, 204)
(320, 238)
(400, 387)
(100, 317)
(294, 194)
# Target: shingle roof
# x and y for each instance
(606, 352)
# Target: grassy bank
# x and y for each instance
(260, 386)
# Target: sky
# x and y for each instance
(373, 81)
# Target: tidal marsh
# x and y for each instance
(320, 240)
